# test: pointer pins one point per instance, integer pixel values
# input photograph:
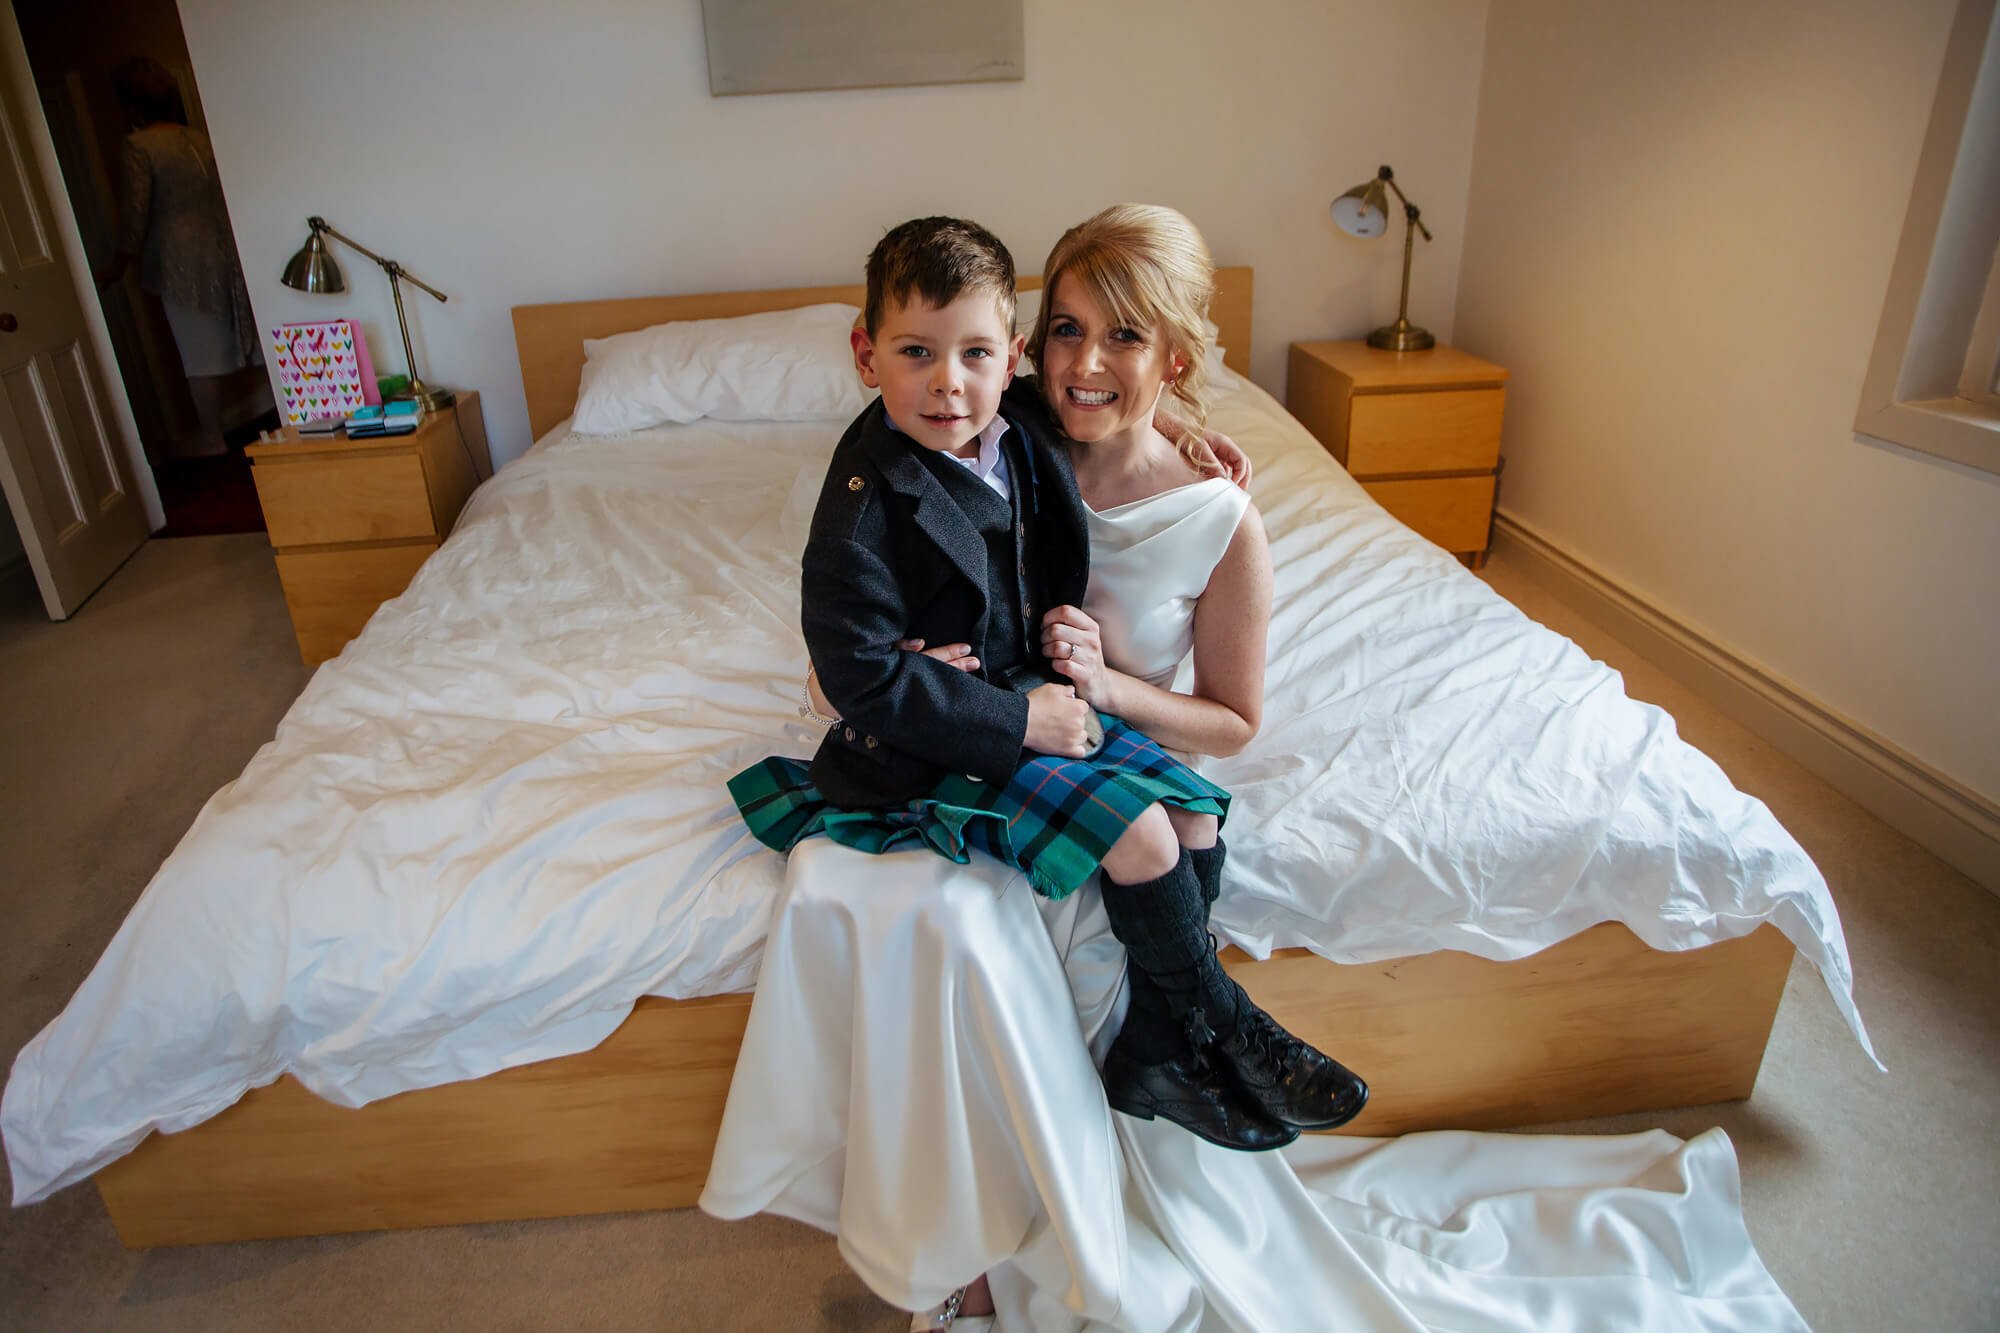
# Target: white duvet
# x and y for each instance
(499, 817)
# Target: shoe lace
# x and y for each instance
(1201, 1038)
(1278, 1046)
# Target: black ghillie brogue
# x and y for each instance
(1189, 1091)
(1289, 1080)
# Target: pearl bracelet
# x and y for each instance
(806, 709)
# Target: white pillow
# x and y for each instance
(1027, 306)
(1219, 374)
(783, 365)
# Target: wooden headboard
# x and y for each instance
(549, 338)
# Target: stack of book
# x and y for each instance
(387, 419)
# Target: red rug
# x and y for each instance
(207, 496)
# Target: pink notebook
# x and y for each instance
(323, 369)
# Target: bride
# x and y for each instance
(918, 1078)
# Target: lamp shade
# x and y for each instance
(1362, 211)
(312, 269)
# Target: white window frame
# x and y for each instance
(1931, 380)
(1980, 381)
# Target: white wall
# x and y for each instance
(1680, 233)
(564, 152)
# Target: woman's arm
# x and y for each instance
(135, 214)
(1231, 621)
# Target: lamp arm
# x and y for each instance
(389, 266)
(396, 270)
(1410, 210)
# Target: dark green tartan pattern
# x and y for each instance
(1055, 818)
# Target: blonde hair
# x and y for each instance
(1149, 269)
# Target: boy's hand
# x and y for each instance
(1223, 457)
(1075, 649)
(952, 654)
(1229, 460)
(1056, 722)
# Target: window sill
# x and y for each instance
(1955, 428)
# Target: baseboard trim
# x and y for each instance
(1960, 825)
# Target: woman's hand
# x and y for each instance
(1075, 649)
(952, 654)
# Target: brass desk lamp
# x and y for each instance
(1364, 212)
(312, 269)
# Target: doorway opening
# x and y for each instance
(84, 53)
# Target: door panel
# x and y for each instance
(67, 481)
(34, 432)
(26, 238)
(86, 426)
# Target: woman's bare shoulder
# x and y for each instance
(1249, 550)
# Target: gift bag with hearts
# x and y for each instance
(323, 369)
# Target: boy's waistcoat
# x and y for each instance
(892, 556)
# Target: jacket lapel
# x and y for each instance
(937, 517)
(1061, 525)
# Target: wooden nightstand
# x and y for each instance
(352, 519)
(1419, 430)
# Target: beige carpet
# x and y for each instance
(1874, 1198)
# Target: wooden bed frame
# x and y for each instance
(1596, 1025)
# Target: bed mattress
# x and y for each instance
(498, 818)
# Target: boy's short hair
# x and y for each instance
(939, 259)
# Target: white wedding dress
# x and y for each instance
(917, 1079)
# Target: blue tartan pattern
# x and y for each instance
(1054, 819)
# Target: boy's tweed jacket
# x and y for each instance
(892, 556)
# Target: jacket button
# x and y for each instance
(871, 742)
(855, 483)
(848, 732)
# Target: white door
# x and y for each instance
(65, 474)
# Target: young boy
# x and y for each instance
(944, 520)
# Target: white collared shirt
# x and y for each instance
(990, 466)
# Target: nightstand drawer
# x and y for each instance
(331, 594)
(1402, 433)
(1454, 512)
(318, 501)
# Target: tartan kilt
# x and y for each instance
(1054, 819)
